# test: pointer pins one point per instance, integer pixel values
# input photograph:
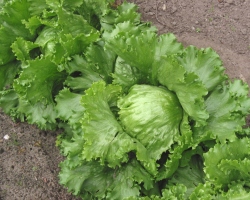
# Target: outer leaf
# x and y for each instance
(7, 73)
(126, 76)
(228, 162)
(227, 106)
(236, 191)
(93, 180)
(102, 61)
(9, 102)
(205, 63)
(36, 7)
(124, 12)
(140, 47)
(40, 81)
(11, 18)
(97, 65)
(24, 50)
(72, 148)
(104, 136)
(60, 41)
(99, 7)
(187, 86)
(190, 175)
(63, 100)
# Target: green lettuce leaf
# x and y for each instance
(9, 103)
(25, 50)
(39, 81)
(96, 65)
(205, 63)
(152, 115)
(140, 47)
(101, 129)
(126, 76)
(229, 162)
(186, 85)
(92, 180)
(228, 106)
(190, 176)
(41, 114)
(124, 12)
(63, 100)
(8, 73)
(11, 17)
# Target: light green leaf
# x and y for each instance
(94, 180)
(187, 86)
(124, 12)
(41, 114)
(63, 100)
(126, 76)
(205, 63)
(105, 138)
(7, 74)
(11, 17)
(229, 162)
(227, 106)
(9, 102)
(152, 115)
(25, 50)
(82, 74)
(39, 81)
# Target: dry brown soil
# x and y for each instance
(29, 159)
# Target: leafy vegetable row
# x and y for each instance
(143, 116)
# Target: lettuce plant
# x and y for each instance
(143, 116)
(167, 127)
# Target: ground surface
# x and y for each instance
(29, 159)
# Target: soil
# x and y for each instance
(29, 159)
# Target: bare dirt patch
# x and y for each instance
(29, 159)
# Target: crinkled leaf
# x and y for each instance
(167, 44)
(25, 50)
(190, 175)
(11, 27)
(205, 63)
(7, 73)
(125, 75)
(72, 148)
(187, 86)
(124, 12)
(175, 158)
(81, 74)
(39, 113)
(94, 180)
(102, 60)
(60, 41)
(228, 162)
(99, 7)
(204, 191)
(227, 106)
(39, 81)
(140, 47)
(9, 102)
(36, 7)
(63, 100)
(236, 192)
(102, 129)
